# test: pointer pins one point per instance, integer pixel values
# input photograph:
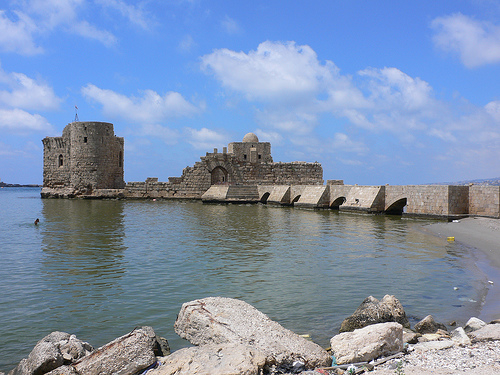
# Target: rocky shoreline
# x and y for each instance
(232, 337)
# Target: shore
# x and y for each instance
(483, 235)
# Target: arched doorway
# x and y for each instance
(397, 208)
(337, 203)
(219, 176)
(265, 197)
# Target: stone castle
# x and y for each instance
(87, 162)
(87, 157)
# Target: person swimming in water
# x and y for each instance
(37, 221)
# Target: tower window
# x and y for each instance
(60, 162)
(84, 139)
(260, 156)
(245, 156)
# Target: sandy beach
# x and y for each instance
(482, 234)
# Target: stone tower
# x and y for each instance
(251, 150)
(87, 157)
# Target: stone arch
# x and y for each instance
(219, 176)
(60, 160)
(337, 202)
(297, 197)
(265, 197)
(398, 207)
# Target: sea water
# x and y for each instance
(100, 268)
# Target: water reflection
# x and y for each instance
(83, 261)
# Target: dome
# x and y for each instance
(250, 138)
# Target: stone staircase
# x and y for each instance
(242, 193)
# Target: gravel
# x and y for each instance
(478, 358)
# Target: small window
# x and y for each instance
(260, 156)
(60, 160)
(245, 156)
(84, 139)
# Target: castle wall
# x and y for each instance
(484, 201)
(88, 156)
(56, 162)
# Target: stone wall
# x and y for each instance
(484, 201)
(196, 180)
(87, 157)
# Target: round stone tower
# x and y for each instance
(88, 156)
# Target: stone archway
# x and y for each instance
(219, 176)
(397, 208)
(337, 203)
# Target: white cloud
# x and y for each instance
(135, 14)
(34, 18)
(150, 108)
(230, 25)
(187, 43)
(17, 36)
(167, 135)
(342, 142)
(204, 138)
(476, 42)
(26, 93)
(274, 72)
(87, 30)
(493, 109)
(21, 122)
(392, 88)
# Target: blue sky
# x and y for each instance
(398, 92)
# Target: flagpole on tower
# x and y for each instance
(76, 114)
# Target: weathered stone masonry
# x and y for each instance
(88, 157)
(243, 163)
(87, 161)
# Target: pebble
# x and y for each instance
(456, 358)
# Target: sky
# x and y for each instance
(378, 92)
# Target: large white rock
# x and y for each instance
(220, 359)
(126, 355)
(367, 343)
(51, 352)
(473, 324)
(218, 320)
(490, 332)
(459, 336)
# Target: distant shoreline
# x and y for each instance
(3, 184)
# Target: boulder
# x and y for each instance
(409, 336)
(368, 343)
(373, 311)
(53, 351)
(428, 325)
(433, 345)
(218, 320)
(490, 332)
(438, 335)
(126, 355)
(473, 324)
(221, 359)
(459, 336)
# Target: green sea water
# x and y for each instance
(99, 268)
